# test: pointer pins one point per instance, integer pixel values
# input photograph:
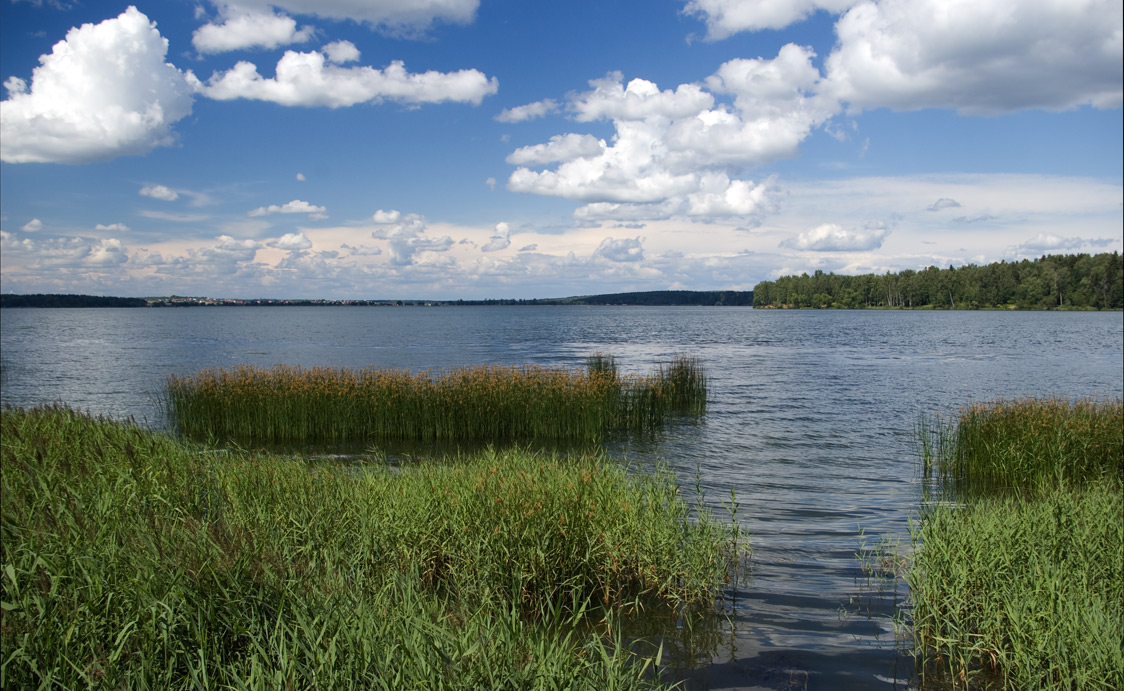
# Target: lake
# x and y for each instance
(810, 423)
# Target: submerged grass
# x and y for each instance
(293, 405)
(132, 560)
(1019, 584)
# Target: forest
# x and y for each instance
(62, 300)
(1073, 281)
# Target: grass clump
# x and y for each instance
(490, 404)
(1019, 585)
(132, 560)
(1027, 445)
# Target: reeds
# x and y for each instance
(1026, 445)
(1018, 583)
(132, 560)
(293, 405)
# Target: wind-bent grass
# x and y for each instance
(293, 405)
(1020, 587)
(131, 560)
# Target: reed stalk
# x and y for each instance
(1016, 583)
(293, 405)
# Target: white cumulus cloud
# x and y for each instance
(979, 56)
(622, 250)
(307, 79)
(674, 150)
(341, 52)
(405, 235)
(291, 241)
(104, 91)
(32, 226)
(159, 192)
(561, 147)
(244, 27)
(113, 227)
(725, 18)
(501, 238)
(529, 111)
(296, 206)
(831, 237)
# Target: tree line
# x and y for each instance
(62, 300)
(1077, 281)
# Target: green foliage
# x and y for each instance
(1026, 446)
(131, 560)
(1027, 593)
(1076, 281)
(489, 404)
(67, 300)
(1020, 585)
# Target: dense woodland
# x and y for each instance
(1077, 281)
(56, 300)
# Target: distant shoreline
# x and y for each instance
(658, 298)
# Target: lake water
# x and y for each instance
(810, 423)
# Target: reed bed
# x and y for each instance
(1026, 445)
(1018, 584)
(134, 560)
(294, 405)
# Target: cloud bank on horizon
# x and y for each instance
(292, 148)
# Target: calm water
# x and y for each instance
(810, 423)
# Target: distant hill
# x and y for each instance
(728, 298)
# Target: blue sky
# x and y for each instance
(491, 149)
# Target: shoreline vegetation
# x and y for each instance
(137, 559)
(484, 404)
(1015, 575)
(1073, 281)
(1051, 282)
(132, 559)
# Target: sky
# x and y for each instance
(470, 149)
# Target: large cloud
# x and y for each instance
(977, 56)
(309, 79)
(674, 150)
(104, 91)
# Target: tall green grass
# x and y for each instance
(1018, 584)
(132, 560)
(1025, 445)
(293, 405)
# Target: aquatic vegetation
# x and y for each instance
(1026, 592)
(293, 405)
(1018, 583)
(1025, 445)
(135, 560)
